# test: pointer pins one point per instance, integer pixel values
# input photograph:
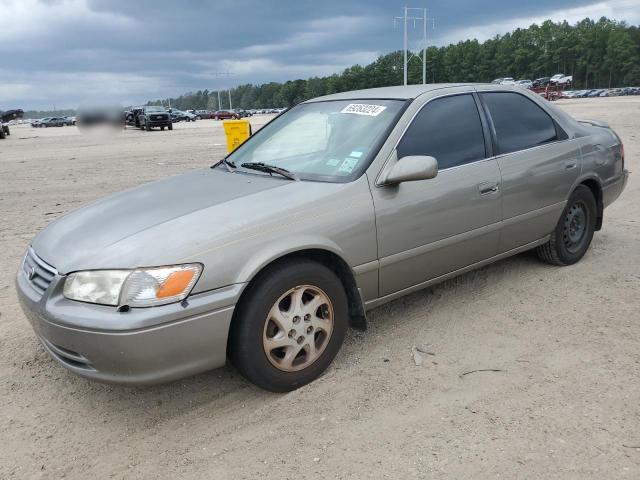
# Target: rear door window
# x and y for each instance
(518, 121)
(448, 129)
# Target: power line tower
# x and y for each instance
(405, 19)
(221, 74)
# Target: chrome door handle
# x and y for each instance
(487, 188)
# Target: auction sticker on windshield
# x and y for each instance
(364, 109)
(348, 165)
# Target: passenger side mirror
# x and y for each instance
(411, 168)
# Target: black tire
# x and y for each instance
(7, 132)
(170, 127)
(147, 127)
(572, 236)
(245, 347)
(2, 134)
(162, 129)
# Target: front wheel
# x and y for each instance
(170, 126)
(572, 236)
(289, 325)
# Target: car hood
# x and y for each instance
(132, 228)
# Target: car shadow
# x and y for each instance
(224, 388)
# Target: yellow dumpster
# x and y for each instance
(236, 131)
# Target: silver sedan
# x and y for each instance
(339, 205)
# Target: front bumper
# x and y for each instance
(160, 122)
(138, 347)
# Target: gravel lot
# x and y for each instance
(565, 403)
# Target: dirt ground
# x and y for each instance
(565, 403)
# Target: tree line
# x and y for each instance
(599, 54)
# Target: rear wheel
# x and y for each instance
(170, 126)
(147, 127)
(289, 326)
(2, 134)
(573, 234)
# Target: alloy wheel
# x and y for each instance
(298, 328)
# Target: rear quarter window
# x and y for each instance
(519, 123)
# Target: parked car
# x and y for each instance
(180, 116)
(148, 117)
(9, 116)
(585, 93)
(363, 197)
(225, 115)
(70, 120)
(508, 81)
(524, 83)
(564, 81)
(541, 82)
(595, 93)
(50, 122)
(202, 114)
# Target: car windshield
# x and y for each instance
(155, 109)
(331, 141)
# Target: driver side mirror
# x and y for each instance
(411, 168)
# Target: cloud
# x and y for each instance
(33, 20)
(628, 10)
(69, 51)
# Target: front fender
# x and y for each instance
(272, 252)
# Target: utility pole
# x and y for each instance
(424, 46)
(230, 107)
(405, 18)
(219, 104)
(405, 45)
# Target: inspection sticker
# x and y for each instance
(332, 162)
(364, 109)
(355, 154)
(348, 165)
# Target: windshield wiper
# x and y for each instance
(227, 163)
(265, 167)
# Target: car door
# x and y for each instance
(428, 228)
(539, 165)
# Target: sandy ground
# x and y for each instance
(564, 405)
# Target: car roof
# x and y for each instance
(402, 92)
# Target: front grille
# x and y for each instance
(158, 117)
(38, 272)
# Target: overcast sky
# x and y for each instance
(67, 52)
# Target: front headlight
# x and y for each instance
(143, 287)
